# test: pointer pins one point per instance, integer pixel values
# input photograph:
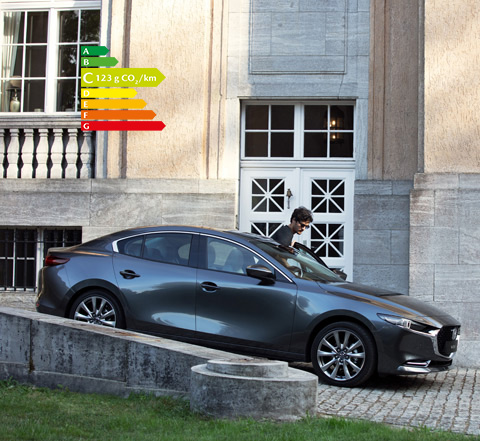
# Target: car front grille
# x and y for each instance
(447, 333)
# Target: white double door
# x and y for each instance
(269, 196)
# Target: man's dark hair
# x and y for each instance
(302, 214)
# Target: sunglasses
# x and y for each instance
(305, 226)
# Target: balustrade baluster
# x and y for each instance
(27, 155)
(42, 155)
(71, 154)
(3, 152)
(13, 154)
(86, 156)
(56, 154)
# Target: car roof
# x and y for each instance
(103, 241)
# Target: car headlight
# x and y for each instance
(405, 323)
(398, 321)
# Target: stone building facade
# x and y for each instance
(361, 110)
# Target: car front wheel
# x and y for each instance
(99, 308)
(344, 354)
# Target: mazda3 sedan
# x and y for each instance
(246, 294)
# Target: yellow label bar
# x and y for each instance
(108, 93)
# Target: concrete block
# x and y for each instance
(372, 248)
(381, 213)
(391, 277)
(422, 208)
(434, 245)
(455, 282)
(400, 247)
(446, 208)
(422, 281)
(252, 388)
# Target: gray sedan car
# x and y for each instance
(247, 294)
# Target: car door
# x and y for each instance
(157, 282)
(236, 309)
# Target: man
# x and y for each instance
(299, 221)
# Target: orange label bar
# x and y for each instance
(113, 104)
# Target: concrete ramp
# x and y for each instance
(48, 351)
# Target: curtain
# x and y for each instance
(11, 32)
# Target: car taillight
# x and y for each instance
(52, 260)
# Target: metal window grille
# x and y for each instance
(23, 251)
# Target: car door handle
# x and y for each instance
(129, 274)
(209, 286)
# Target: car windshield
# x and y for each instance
(298, 262)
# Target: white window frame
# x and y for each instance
(298, 132)
(53, 7)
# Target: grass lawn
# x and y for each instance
(30, 413)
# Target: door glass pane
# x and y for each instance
(256, 118)
(66, 96)
(90, 26)
(315, 145)
(341, 145)
(68, 26)
(13, 23)
(282, 145)
(36, 61)
(34, 96)
(37, 27)
(256, 144)
(341, 117)
(12, 61)
(282, 117)
(67, 61)
(316, 117)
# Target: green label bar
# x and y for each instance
(122, 77)
(98, 61)
(86, 51)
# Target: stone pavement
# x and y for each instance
(444, 401)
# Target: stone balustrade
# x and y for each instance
(46, 148)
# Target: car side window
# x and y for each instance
(168, 247)
(131, 246)
(229, 257)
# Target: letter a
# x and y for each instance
(85, 51)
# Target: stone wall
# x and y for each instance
(381, 234)
(101, 206)
(445, 251)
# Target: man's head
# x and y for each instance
(300, 220)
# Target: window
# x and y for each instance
(229, 257)
(23, 250)
(298, 131)
(40, 69)
(164, 247)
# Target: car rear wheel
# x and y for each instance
(344, 354)
(99, 308)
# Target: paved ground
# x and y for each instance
(445, 401)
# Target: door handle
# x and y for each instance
(209, 286)
(129, 274)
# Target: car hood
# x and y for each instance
(398, 304)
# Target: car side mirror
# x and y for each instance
(261, 272)
(340, 273)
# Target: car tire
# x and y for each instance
(98, 307)
(344, 354)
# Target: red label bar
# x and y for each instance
(88, 126)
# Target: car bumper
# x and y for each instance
(408, 352)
